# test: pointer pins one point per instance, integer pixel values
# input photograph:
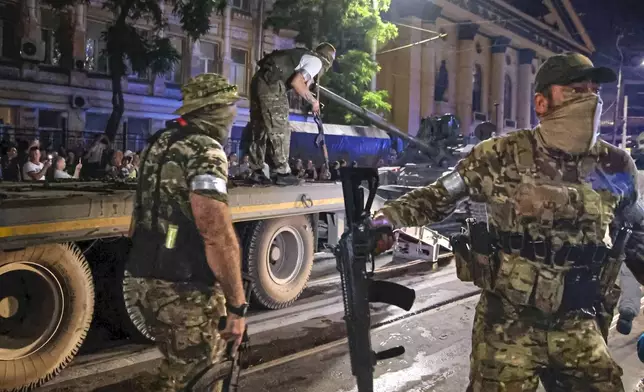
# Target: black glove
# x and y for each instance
(625, 323)
(383, 232)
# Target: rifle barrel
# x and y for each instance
(377, 121)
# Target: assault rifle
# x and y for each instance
(320, 142)
(358, 287)
(230, 370)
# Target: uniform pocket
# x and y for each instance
(515, 279)
(549, 289)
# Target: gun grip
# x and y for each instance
(391, 293)
(390, 353)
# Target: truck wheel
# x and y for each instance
(46, 307)
(280, 258)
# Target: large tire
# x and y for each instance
(46, 307)
(279, 257)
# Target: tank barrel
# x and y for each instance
(377, 121)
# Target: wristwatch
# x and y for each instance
(237, 310)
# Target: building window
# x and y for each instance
(49, 119)
(8, 115)
(96, 122)
(131, 75)
(9, 17)
(205, 58)
(242, 5)
(50, 23)
(95, 59)
(239, 69)
(477, 88)
(442, 83)
(174, 76)
(138, 131)
(507, 98)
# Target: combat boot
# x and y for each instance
(258, 178)
(625, 322)
(287, 179)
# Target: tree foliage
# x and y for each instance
(350, 25)
(130, 49)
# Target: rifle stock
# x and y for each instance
(358, 288)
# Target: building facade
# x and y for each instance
(42, 95)
(483, 68)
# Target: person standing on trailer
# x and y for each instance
(268, 135)
(184, 268)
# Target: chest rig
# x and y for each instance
(543, 246)
(175, 253)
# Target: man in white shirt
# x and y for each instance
(33, 169)
(60, 173)
(268, 134)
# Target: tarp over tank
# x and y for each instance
(352, 143)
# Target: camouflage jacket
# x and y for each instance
(194, 155)
(529, 189)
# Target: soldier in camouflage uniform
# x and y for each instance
(551, 194)
(268, 135)
(184, 268)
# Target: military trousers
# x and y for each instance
(183, 321)
(268, 135)
(511, 353)
(629, 302)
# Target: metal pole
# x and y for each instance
(619, 92)
(124, 146)
(625, 125)
(260, 34)
(374, 50)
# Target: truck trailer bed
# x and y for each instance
(36, 213)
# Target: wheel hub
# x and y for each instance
(31, 308)
(9, 307)
(286, 255)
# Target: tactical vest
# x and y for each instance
(524, 267)
(178, 256)
(279, 65)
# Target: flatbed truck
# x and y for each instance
(63, 247)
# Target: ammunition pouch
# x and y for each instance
(462, 257)
(543, 282)
(474, 256)
(185, 262)
(271, 72)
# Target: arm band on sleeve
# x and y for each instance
(209, 182)
(455, 186)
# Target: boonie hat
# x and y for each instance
(205, 90)
(567, 68)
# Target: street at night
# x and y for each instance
(301, 348)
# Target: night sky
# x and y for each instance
(602, 19)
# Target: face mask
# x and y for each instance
(573, 126)
(216, 123)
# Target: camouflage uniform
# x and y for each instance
(527, 324)
(181, 313)
(268, 135)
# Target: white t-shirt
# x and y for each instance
(61, 174)
(311, 64)
(30, 167)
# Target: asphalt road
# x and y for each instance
(284, 342)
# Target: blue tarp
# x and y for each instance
(365, 150)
